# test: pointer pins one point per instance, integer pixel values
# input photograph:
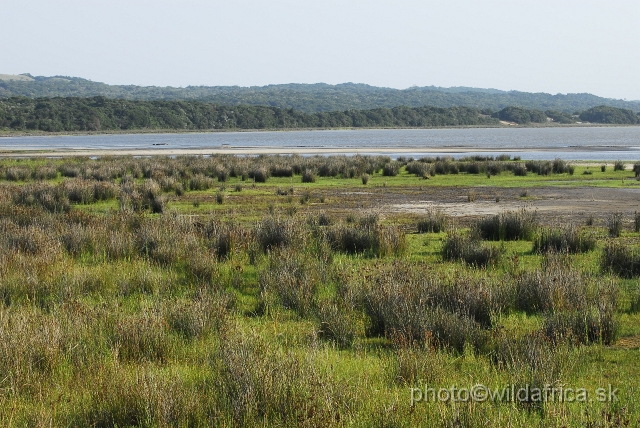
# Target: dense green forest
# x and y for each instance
(109, 114)
(521, 115)
(313, 98)
(605, 114)
(100, 113)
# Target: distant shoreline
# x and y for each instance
(271, 150)
(13, 134)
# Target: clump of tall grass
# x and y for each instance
(31, 348)
(52, 198)
(539, 167)
(560, 167)
(509, 226)
(140, 198)
(292, 278)
(273, 232)
(222, 238)
(391, 169)
(416, 362)
(259, 175)
(614, 225)
(141, 337)
(18, 173)
(403, 299)
(532, 361)
(277, 387)
(597, 324)
(565, 240)
(434, 222)
(621, 260)
(200, 182)
(469, 249)
(45, 172)
(555, 287)
(88, 191)
(308, 176)
(618, 165)
(195, 317)
(366, 236)
(365, 179)
(419, 169)
(339, 322)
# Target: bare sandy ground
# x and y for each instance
(8, 152)
(557, 205)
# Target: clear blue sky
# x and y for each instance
(541, 46)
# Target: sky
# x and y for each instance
(559, 46)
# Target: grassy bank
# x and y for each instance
(257, 291)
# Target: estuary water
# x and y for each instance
(571, 143)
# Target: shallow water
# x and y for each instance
(584, 143)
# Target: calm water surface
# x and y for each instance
(586, 143)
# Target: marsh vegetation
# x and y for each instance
(242, 291)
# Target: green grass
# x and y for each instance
(162, 332)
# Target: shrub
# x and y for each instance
(618, 166)
(365, 179)
(636, 169)
(560, 166)
(636, 221)
(436, 221)
(603, 168)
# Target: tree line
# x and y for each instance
(106, 114)
(313, 98)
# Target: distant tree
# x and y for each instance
(606, 114)
(521, 115)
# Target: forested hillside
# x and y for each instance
(313, 97)
(112, 114)
(104, 114)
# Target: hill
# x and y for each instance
(312, 98)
